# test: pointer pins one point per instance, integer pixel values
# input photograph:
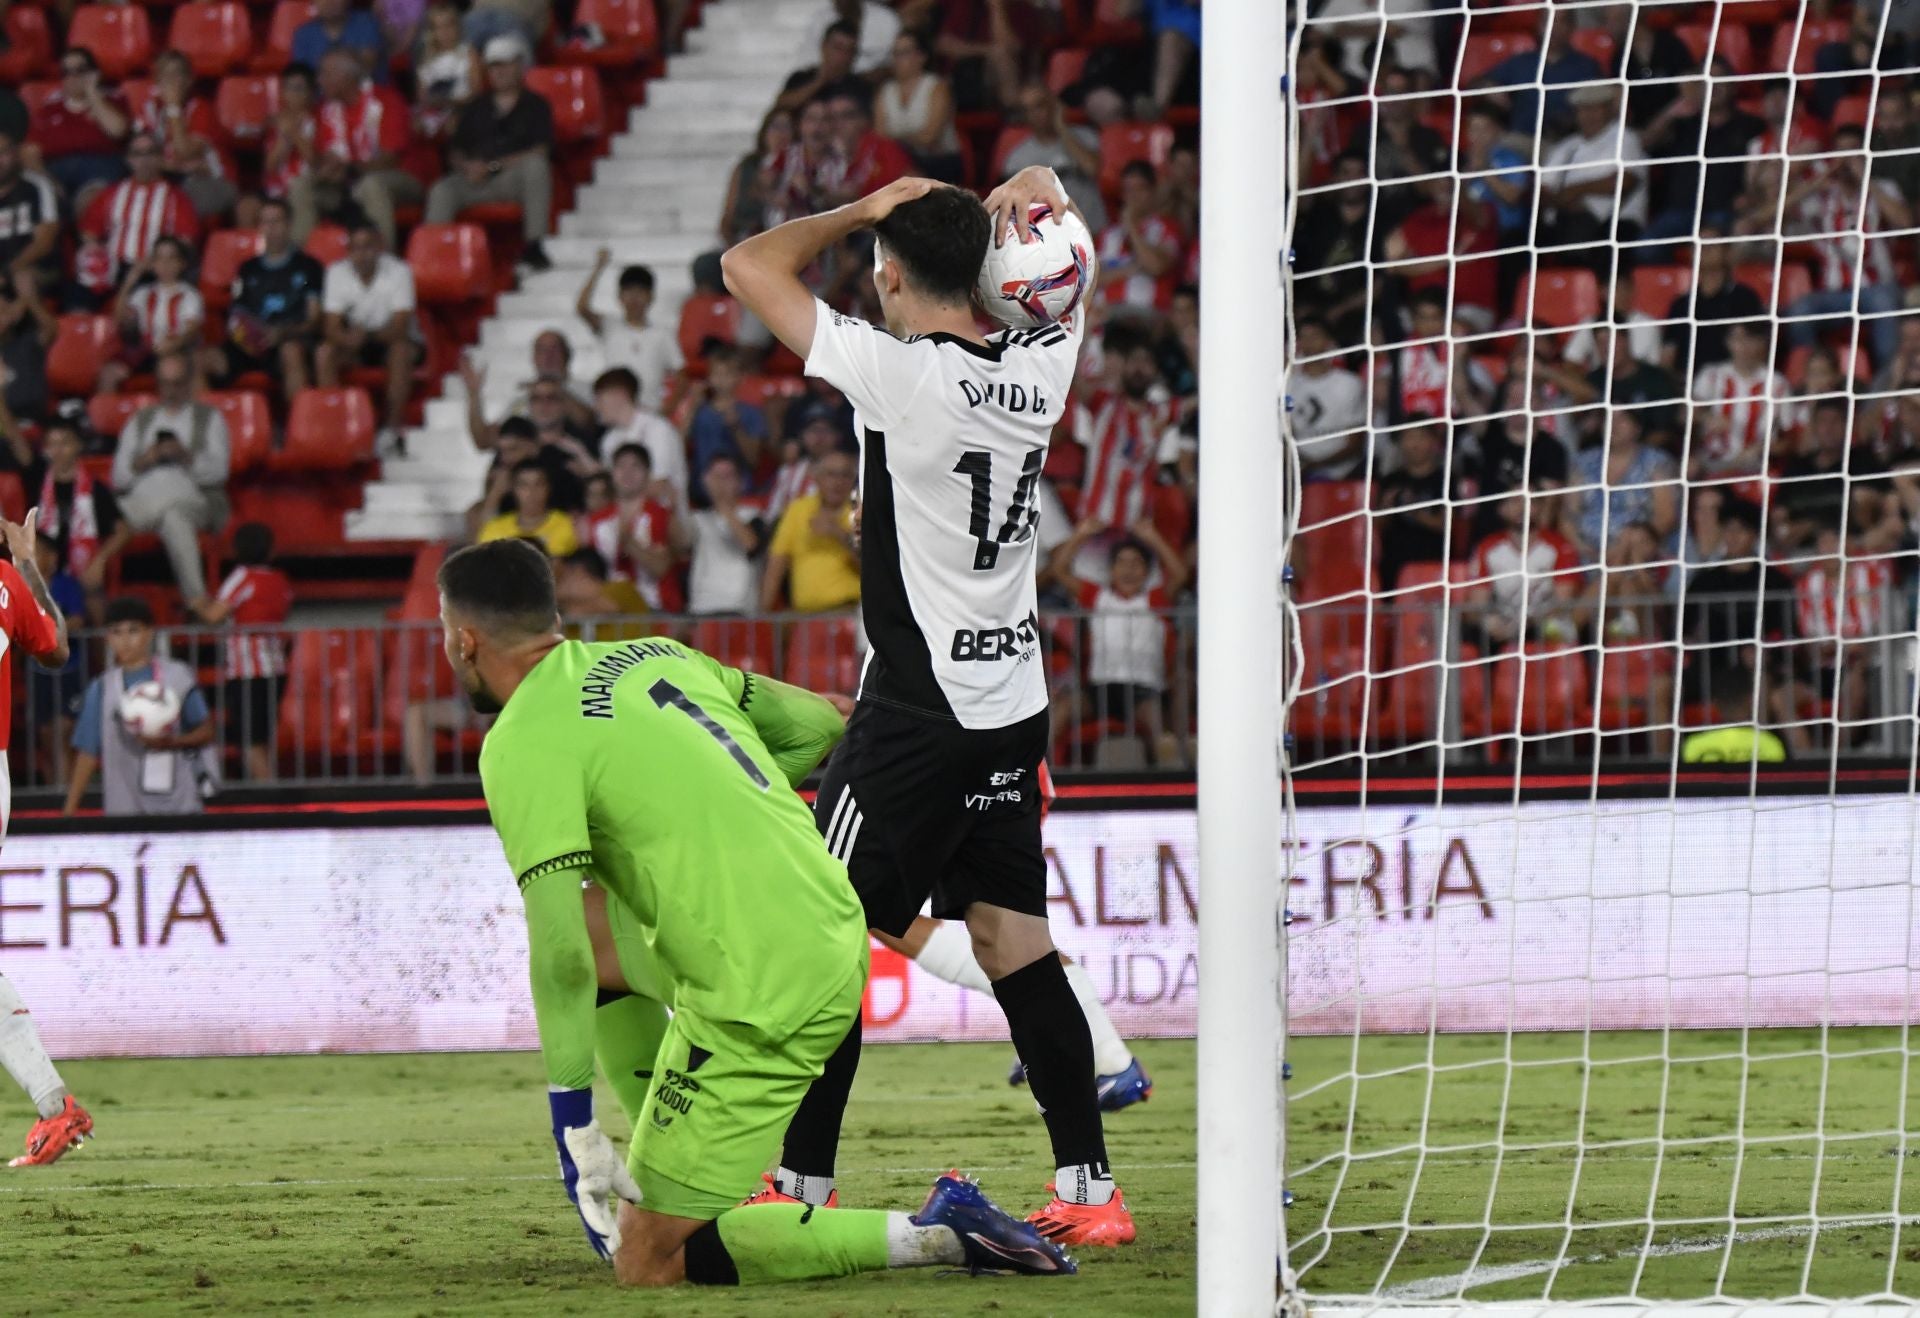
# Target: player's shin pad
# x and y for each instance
(795, 1242)
(627, 1029)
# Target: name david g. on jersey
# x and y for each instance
(1013, 398)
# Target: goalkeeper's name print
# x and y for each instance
(596, 689)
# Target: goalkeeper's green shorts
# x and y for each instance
(717, 1114)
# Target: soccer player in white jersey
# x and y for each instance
(934, 792)
(31, 624)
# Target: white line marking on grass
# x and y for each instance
(403, 1182)
(1439, 1288)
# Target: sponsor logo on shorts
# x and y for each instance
(988, 800)
(676, 1090)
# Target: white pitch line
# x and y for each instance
(399, 1183)
(1439, 1288)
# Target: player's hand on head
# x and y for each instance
(881, 204)
(1015, 199)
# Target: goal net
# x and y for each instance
(1603, 433)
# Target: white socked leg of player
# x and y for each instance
(945, 951)
(63, 1123)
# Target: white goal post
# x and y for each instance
(1593, 790)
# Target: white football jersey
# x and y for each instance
(952, 437)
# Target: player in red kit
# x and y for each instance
(31, 624)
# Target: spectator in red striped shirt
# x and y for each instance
(155, 316)
(1838, 599)
(1847, 213)
(1139, 252)
(292, 134)
(254, 598)
(79, 129)
(1121, 432)
(130, 216)
(363, 130)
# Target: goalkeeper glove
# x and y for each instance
(594, 1174)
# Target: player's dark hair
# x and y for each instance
(940, 241)
(253, 543)
(129, 608)
(590, 561)
(635, 450)
(618, 377)
(503, 586)
(636, 276)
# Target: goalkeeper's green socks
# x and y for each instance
(795, 1242)
(627, 1029)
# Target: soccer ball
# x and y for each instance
(149, 708)
(1038, 283)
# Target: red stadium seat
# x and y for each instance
(1327, 715)
(328, 430)
(630, 27)
(823, 654)
(744, 644)
(327, 243)
(450, 263)
(1656, 286)
(29, 52)
(288, 15)
(1066, 67)
(216, 35)
(80, 345)
(1627, 677)
(245, 104)
(1734, 44)
(1122, 144)
(1596, 44)
(227, 250)
(108, 413)
(1813, 34)
(1795, 282)
(249, 427)
(703, 318)
(579, 108)
(1114, 23)
(1483, 50)
(120, 37)
(13, 496)
(1556, 695)
(1331, 555)
(331, 702)
(1561, 298)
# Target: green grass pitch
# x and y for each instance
(424, 1185)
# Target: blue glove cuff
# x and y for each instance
(571, 1108)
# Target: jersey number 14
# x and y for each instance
(1022, 514)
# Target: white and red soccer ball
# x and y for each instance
(149, 709)
(1041, 282)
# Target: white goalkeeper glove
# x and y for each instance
(595, 1175)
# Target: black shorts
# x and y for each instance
(918, 807)
(253, 708)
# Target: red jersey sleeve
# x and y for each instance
(27, 623)
(1089, 594)
(1157, 598)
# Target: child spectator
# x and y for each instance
(1837, 600)
(813, 433)
(723, 426)
(80, 519)
(162, 315)
(159, 773)
(723, 540)
(588, 597)
(1526, 577)
(651, 352)
(1741, 402)
(635, 536)
(1127, 629)
(615, 402)
(184, 126)
(255, 596)
(290, 148)
(532, 518)
(446, 72)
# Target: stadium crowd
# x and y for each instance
(1633, 373)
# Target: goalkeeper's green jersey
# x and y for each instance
(648, 765)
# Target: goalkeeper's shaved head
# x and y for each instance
(498, 610)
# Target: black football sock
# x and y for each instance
(1050, 1034)
(813, 1136)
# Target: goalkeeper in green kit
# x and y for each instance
(643, 795)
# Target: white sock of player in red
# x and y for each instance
(948, 954)
(24, 1057)
(1110, 1052)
